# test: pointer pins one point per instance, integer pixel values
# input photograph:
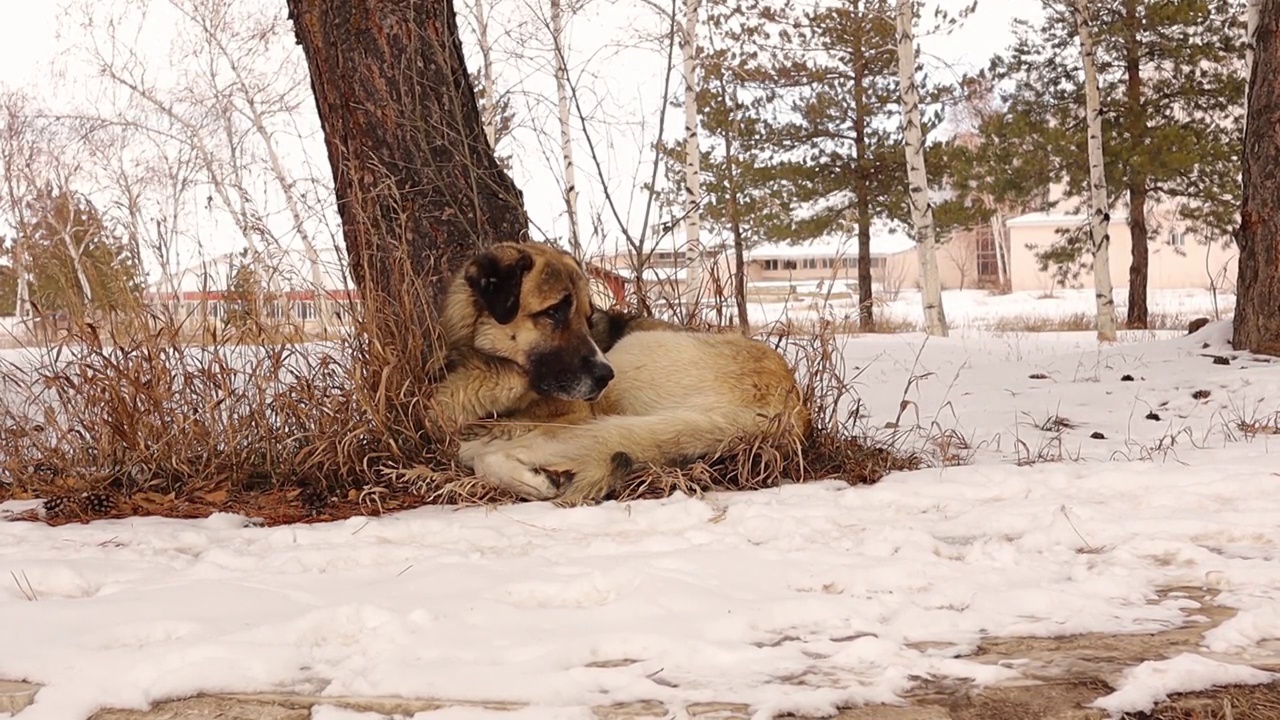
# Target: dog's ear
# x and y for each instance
(495, 279)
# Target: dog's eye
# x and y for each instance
(559, 312)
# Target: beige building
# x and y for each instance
(1180, 257)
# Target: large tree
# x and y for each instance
(417, 184)
(1257, 317)
(1171, 81)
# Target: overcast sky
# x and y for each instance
(624, 86)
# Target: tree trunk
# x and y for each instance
(739, 242)
(999, 235)
(935, 320)
(417, 185)
(692, 151)
(1100, 216)
(1137, 181)
(1252, 9)
(566, 137)
(861, 191)
(1257, 316)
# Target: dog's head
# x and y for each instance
(532, 307)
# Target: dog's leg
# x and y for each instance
(596, 453)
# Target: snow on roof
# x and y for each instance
(885, 240)
(1040, 219)
(283, 268)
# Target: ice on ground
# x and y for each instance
(1152, 682)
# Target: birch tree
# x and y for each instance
(935, 319)
(566, 123)
(1099, 211)
(692, 150)
(1170, 136)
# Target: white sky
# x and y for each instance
(622, 84)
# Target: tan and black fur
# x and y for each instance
(670, 395)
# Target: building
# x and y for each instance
(1180, 256)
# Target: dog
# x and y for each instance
(560, 389)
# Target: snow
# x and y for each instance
(886, 239)
(981, 309)
(1061, 218)
(798, 599)
(1154, 681)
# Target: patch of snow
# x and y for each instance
(1152, 682)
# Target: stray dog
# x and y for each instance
(586, 394)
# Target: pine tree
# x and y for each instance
(1171, 88)
(75, 263)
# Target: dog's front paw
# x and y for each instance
(502, 471)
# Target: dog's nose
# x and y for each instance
(602, 374)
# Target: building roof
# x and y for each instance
(1043, 219)
(885, 240)
(283, 269)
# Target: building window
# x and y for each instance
(826, 263)
(770, 264)
(1178, 238)
(809, 263)
(303, 310)
(788, 264)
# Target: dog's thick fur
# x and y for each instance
(558, 406)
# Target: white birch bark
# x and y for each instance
(692, 150)
(566, 138)
(935, 320)
(489, 114)
(202, 16)
(1100, 240)
(998, 235)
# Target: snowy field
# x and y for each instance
(980, 309)
(799, 599)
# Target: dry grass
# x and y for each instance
(1232, 702)
(1078, 322)
(115, 422)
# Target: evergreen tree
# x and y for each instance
(74, 260)
(1172, 91)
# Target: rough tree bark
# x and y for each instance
(862, 193)
(935, 320)
(1257, 316)
(566, 137)
(1100, 216)
(1137, 180)
(417, 185)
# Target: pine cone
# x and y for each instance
(314, 498)
(98, 503)
(59, 506)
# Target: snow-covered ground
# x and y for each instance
(797, 599)
(982, 309)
